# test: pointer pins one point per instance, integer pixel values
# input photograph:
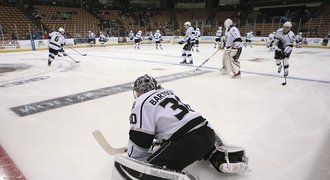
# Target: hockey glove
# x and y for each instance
(181, 42)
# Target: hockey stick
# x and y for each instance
(284, 83)
(207, 60)
(105, 145)
(75, 50)
(72, 59)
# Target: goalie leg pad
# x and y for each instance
(229, 159)
(129, 168)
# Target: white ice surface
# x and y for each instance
(285, 129)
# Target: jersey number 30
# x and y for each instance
(175, 105)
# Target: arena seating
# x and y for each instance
(11, 16)
(73, 20)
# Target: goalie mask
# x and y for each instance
(144, 84)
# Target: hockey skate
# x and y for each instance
(237, 75)
(191, 62)
(183, 62)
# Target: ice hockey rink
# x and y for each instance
(48, 114)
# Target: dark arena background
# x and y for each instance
(52, 101)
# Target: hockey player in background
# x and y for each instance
(283, 41)
(91, 38)
(158, 116)
(270, 41)
(299, 39)
(233, 50)
(131, 36)
(188, 42)
(137, 39)
(102, 39)
(197, 35)
(158, 39)
(56, 42)
(218, 38)
(150, 37)
(249, 38)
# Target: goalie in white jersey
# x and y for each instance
(283, 40)
(230, 60)
(183, 134)
(56, 42)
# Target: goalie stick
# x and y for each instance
(106, 146)
(207, 60)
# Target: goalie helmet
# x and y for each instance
(228, 23)
(220, 28)
(61, 30)
(144, 84)
(157, 31)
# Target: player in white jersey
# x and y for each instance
(189, 42)
(158, 39)
(56, 42)
(230, 60)
(131, 36)
(159, 116)
(299, 39)
(218, 38)
(283, 40)
(150, 37)
(270, 41)
(102, 39)
(248, 40)
(91, 38)
(137, 39)
(197, 35)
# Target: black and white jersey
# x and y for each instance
(233, 37)
(284, 39)
(131, 35)
(190, 35)
(137, 36)
(158, 115)
(218, 33)
(56, 40)
(197, 34)
(91, 35)
(299, 38)
(102, 37)
(271, 37)
(157, 36)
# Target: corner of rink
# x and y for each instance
(8, 169)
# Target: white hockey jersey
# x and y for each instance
(131, 35)
(218, 33)
(284, 39)
(233, 37)
(271, 37)
(137, 36)
(56, 40)
(197, 34)
(102, 37)
(190, 35)
(299, 38)
(157, 36)
(158, 115)
(91, 35)
(249, 36)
